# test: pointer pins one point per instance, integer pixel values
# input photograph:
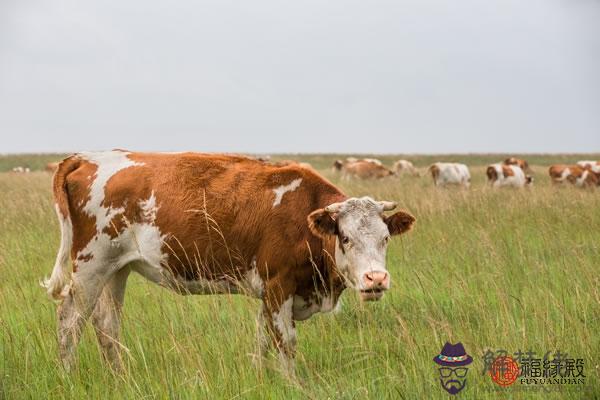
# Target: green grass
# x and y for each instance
(490, 268)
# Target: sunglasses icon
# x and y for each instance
(459, 372)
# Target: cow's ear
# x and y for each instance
(322, 223)
(399, 222)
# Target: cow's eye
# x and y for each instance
(345, 239)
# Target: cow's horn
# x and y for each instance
(334, 207)
(387, 205)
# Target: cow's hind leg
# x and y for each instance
(106, 318)
(75, 309)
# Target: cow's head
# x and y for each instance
(362, 233)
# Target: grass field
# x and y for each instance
(493, 269)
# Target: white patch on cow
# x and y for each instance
(282, 320)
(581, 180)
(140, 243)
(252, 283)
(303, 309)
(283, 189)
(149, 208)
(590, 164)
(108, 163)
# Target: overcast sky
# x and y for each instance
(403, 76)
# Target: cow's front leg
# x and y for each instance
(277, 313)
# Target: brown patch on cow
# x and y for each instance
(491, 173)
(517, 161)
(556, 171)
(506, 171)
(435, 172)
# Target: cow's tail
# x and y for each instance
(61, 274)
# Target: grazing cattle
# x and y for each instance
(517, 161)
(574, 174)
(365, 169)
(51, 167)
(444, 174)
(402, 167)
(500, 175)
(284, 163)
(338, 165)
(21, 170)
(593, 165)
(204, 224)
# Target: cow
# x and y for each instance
(519, 162)
(20, 170)
(51, 167)
(338, 165)
(283, 163)
(208, 223)
(444, 174)
(365, 169)
(402, 167)
(574, 174)
(592, 165)
(500, 175)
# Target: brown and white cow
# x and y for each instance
(519, 162)
(404, 167)
(445, 174)
(339, 165)
(500, 175)
(204, 224)
(365, 169)
(590, 164)
(574, 174)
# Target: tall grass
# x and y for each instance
(510, 269)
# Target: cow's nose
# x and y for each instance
(376, 280)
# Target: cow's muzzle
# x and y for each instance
(374, 284)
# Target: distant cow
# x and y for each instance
(365, 169)
(500, 175)
(402, 167)
(517, 161)
(593, 165)
(21, 170)
(51, 167)
(574, 174)
(338, 165)
(444, 174)
(285, 163)
(205, 224)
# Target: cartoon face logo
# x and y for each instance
(452, 362)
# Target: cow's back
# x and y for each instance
(214, 214)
